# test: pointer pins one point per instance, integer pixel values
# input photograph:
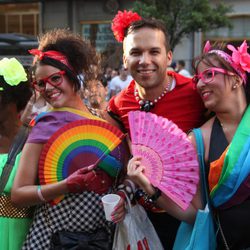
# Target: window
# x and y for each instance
(101, 37)
(19, 18)
(239, 31)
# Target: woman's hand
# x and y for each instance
(119, 213)
(88, 179)
(79, 180)
(136, 172)
(101, 182)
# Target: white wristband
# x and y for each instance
(40, 195)
(132, 185)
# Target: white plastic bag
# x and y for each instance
(136, 231)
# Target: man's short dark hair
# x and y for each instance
(182, 63)
(152, 24)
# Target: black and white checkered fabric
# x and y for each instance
(76, 213)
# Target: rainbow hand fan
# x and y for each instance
(76, 145)
(169, 157)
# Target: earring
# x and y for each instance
(235, 86)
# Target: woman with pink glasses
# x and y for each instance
(223, 82)
(77, 221)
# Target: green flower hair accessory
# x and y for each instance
(12, 71)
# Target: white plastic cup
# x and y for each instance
(109, 202)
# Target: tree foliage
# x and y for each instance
(183, 17)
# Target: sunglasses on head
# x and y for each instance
(54, 79)
(207, 75)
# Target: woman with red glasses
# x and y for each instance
(61, 64)
(222, 80)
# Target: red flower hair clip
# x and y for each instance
(121, 22)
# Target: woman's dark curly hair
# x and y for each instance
(80, 54)
(19, 94)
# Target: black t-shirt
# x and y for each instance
(234, 220)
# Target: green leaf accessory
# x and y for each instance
(12, 71)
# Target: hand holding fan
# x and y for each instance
(76, 145)
(169, 157)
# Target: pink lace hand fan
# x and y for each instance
(169, 157)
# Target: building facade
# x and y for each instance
(92, 19)
(192, 45)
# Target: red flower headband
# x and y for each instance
(121, 22)
(240, 59)
(56, 55)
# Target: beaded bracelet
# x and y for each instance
(156, 195)
(40, 195)
(128, 188)
(148, 202)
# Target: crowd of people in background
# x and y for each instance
(180, 67)
(99, 90)
(68, 84)
(115, 80)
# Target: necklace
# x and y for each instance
(146, 105)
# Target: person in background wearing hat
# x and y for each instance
(15, 93)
